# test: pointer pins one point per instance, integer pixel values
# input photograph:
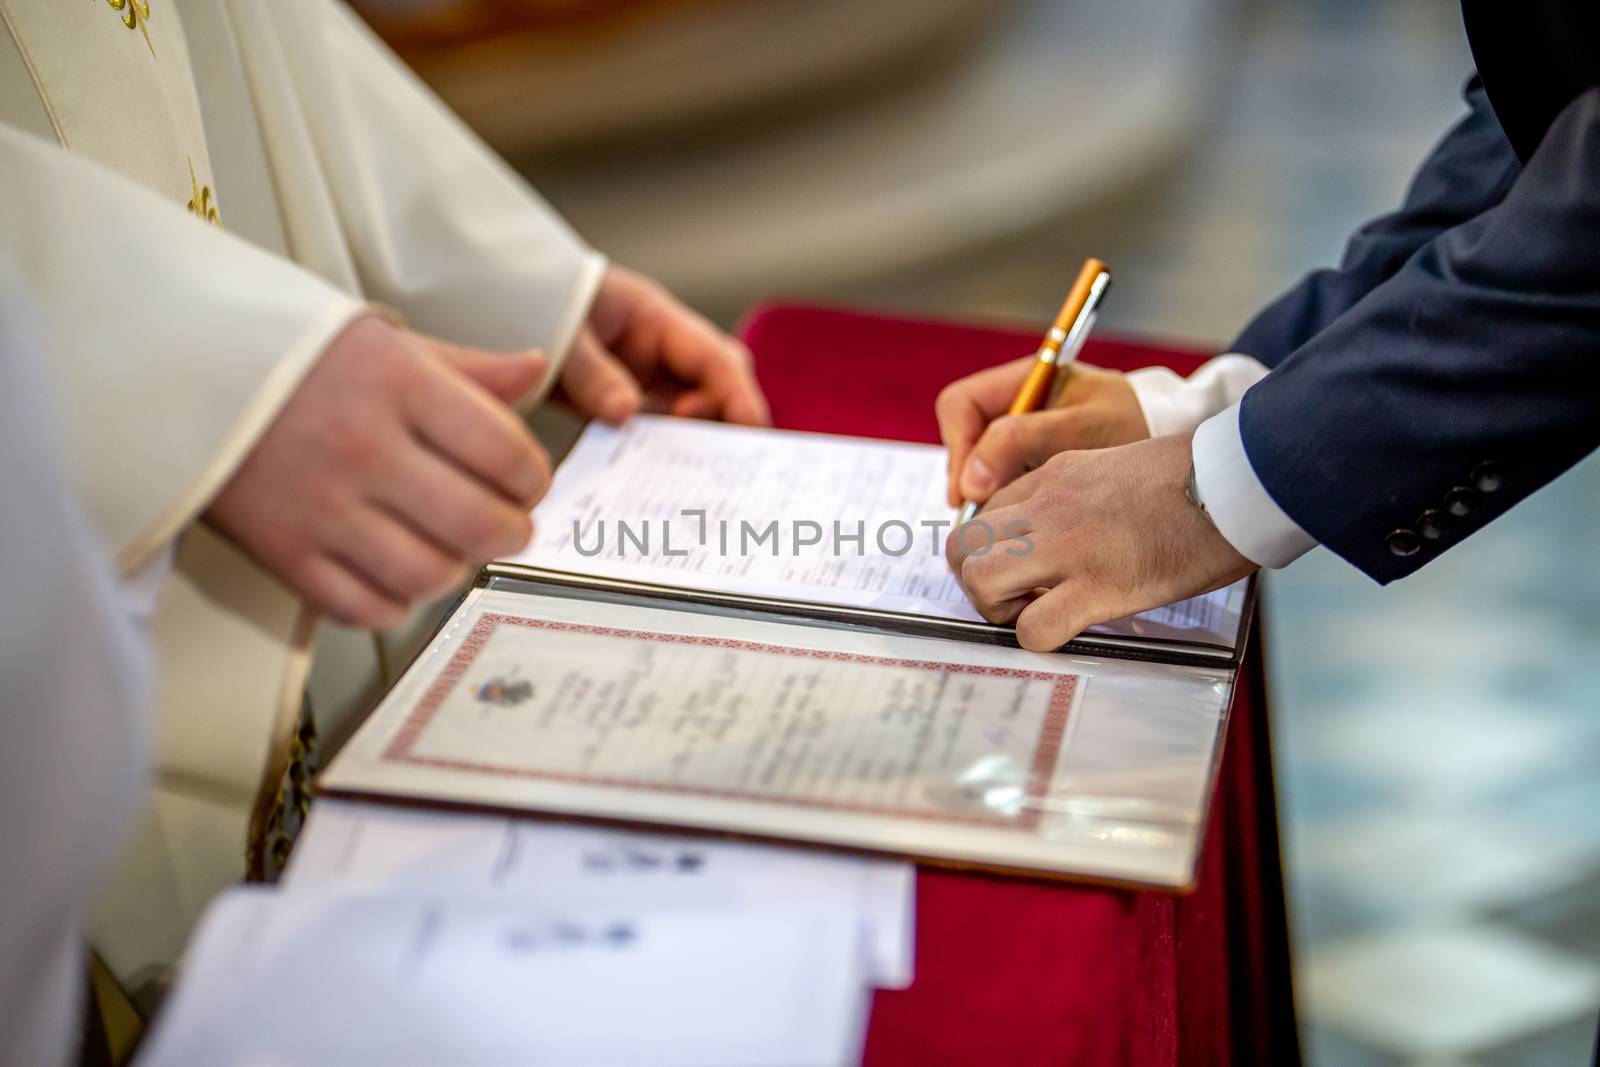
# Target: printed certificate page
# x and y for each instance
(912, 746)
(843, 521)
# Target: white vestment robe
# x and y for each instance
(73, 717)
(199, 196)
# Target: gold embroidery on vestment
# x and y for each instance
(135, 16)
(202, 204)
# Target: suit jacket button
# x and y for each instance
(1404, 542)
(1488, 477)
(1460, 501)
(1432, 524)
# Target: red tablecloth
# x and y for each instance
(1013, 973)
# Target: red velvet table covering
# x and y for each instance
(1016, 973)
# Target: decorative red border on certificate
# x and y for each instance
(1051, 733)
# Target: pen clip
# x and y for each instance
(1079, 334)
(1075, 341)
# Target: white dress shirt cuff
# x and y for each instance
(1173, 404)
(1240, 506)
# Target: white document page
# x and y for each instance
(319, 980)
(813, 517)
(381, 848)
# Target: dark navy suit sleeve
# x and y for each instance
(1455, 388)
(1465, 175)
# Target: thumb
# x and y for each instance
(1055, 618)
(507, 378)
(597, 383)
(1011, 446)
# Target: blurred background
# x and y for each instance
(1438, 743)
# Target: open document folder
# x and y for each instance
(808, 693)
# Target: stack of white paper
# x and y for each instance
(348, 981)
(403, 936)
(380, 848)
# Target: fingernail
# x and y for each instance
(617, 407)
(977, 481)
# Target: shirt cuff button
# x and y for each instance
(1488, 477)
(1460, 500)
(1403, 542)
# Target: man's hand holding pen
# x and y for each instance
(1108, 517)
(989, 448)
(1109, 532)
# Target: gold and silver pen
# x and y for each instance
(1060, 347)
